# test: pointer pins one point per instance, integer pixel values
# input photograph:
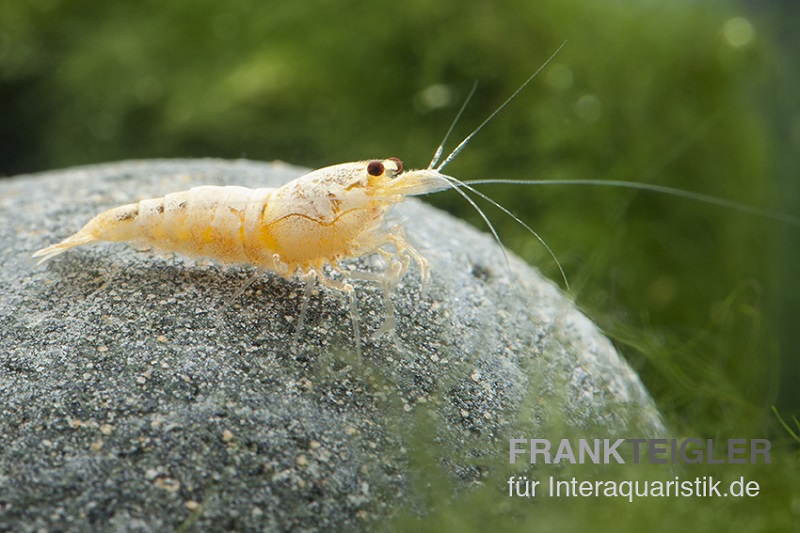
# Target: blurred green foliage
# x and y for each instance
(677, 93)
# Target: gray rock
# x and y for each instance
(131, 401)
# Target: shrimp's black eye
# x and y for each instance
(375, 168)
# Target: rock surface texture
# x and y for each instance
(133, 400)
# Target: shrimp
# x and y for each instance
(309, 225)
(314, 221)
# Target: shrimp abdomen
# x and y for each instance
(206, 221)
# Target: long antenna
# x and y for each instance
(440, 149)
(521, 223)
(488, 119)
(651, 187)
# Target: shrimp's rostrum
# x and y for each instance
(318, 219)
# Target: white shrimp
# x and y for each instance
(315, 221)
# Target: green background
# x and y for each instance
(703, 301)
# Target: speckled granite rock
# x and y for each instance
(130, 401)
